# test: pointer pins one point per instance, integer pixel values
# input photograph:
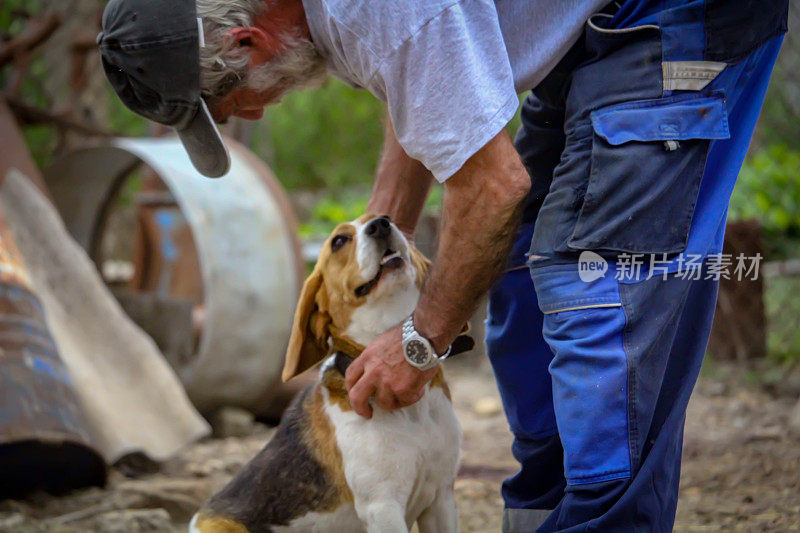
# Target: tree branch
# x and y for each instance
(28, 115)
(35, 33)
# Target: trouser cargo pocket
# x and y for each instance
(647, 161)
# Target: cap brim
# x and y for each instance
(204, 144)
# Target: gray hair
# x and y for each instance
(224, 66)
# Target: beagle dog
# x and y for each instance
(327, 469)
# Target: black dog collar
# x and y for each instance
(342, 361)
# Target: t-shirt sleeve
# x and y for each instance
(449, 86)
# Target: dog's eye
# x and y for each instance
(339, 241)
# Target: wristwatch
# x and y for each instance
(418, 350)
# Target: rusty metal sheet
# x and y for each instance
(131, 398)
(45, 440)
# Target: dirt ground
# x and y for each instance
(741, 468)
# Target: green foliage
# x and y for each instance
(329, 139)
(325, 138)
(782, 307)
(349, 204)
(122, 120)
(11, 19)
(768, 190)
(329, 212)
(778, 121)
(42, 140)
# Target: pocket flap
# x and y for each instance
(679, 117)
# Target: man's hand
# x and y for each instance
(381, 370)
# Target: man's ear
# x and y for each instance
(421, 263)
(260, 45)
(308, 344)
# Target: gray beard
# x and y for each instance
(298, 66)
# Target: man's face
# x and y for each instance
(270, 76)
(246, 102)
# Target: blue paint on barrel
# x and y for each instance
(45, 443)
(57, 372)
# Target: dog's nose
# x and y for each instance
(378, 228)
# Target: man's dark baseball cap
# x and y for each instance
(151, 54)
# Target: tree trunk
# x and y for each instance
(739, 330)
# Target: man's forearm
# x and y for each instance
(401, 185)
(480, 213)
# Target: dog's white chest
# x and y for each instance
(403, 456)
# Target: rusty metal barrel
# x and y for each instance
(45, 442)
(226, 246)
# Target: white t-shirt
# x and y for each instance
(449, 70)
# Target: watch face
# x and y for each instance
(417, 352)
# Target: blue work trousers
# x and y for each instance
(633, 144)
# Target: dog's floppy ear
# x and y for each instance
(421, 263)
(308, 344)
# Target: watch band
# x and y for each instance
(409, 329)
(446, 353)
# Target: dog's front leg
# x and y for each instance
(382, 516)
(441, 516)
